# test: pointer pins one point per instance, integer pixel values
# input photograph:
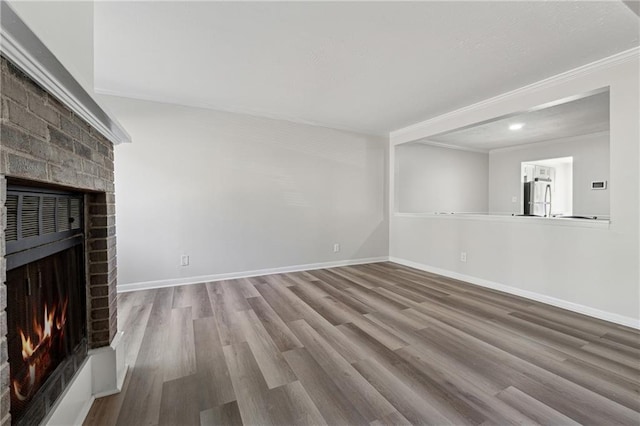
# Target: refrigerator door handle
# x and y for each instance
(547, 201)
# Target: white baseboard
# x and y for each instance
(570, 306)
(123, 288)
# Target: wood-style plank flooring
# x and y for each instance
(374, 344)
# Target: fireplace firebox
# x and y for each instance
(46, 300)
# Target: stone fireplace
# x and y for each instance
(45, 146)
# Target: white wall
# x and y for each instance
(436, 179)
(66, 28)
(239, 193)
(590, 162)
(595, 270)
(248, 193)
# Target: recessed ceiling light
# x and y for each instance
(516, 126)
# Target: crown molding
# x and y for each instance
(610, 61)
(25, 50)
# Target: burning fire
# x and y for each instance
(36, 352)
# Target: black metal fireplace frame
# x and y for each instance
(28, 249)
(44, 240)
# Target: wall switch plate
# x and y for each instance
(463, 256)
(184, 260)
(336, 248)
(514, 199)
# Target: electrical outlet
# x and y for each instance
(184, 260)
(514, 199)
(336, 248)
(463, 256)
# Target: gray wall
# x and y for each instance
(590, 162)
(436, 179)
(239, 193)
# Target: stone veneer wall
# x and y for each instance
(41, 140)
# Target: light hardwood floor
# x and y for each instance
(373, 344)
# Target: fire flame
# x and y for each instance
(50, 324)
(32, 381)
(62, 320)
(43, 331)
(27, 346)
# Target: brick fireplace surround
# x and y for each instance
(43, 142)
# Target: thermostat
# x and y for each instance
(599, 184)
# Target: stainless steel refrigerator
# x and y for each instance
(537, 197)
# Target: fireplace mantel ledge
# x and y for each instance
(25, 50)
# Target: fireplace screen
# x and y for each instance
(45, 323)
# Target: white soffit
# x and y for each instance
(370, 67)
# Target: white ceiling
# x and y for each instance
(371, 67)
(578, 117)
